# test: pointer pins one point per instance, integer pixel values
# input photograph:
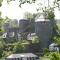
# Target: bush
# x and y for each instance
(54, 56)
(36, 39)
(46, 51)
(5, 53)
(19, 48)
(2, 45)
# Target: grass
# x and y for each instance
(44, 58)
(2, 58)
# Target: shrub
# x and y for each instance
(2, 45)
(46, 51)
(54, 56)
(36, 39)
(19, 48)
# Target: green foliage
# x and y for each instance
(22, 1)
(49, 13)
(1, 30)
(19, 48)
(25, 41)
(26, 1)
(28, 16)
(1, 3)
(46, 51)
(2, 45)
(44, 58)
(36, 39)
(1, 51)
(57, 40)
(56, 3)
(56, 37)
(58, 0)
(54, 56)
(1, 0)
(1, 21)
(5, 53)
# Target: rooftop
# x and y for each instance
(22, 55)
(41, 18)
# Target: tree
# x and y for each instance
(21, 2)
(28, 15)
(49, 13)
(2, 22)
(1, 3)
(56, 36)
(56, 4)
(57, 40)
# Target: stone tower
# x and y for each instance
(43, 28)
(24, 28)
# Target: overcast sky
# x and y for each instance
(13, 11)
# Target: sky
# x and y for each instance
(13, 11)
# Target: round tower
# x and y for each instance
(24, 25)
(43, 29)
